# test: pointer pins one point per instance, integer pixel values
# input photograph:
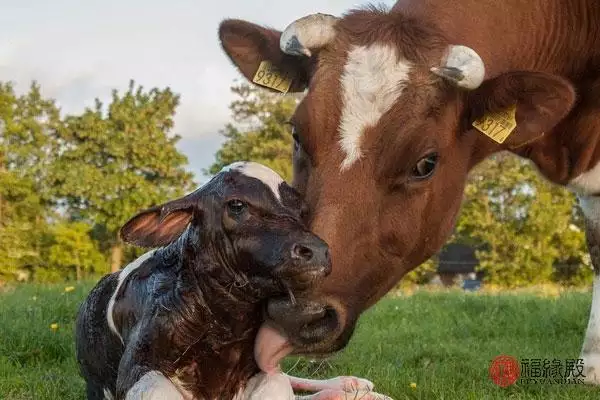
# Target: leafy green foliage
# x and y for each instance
(28, 142)
(524, 226)
(262, 133)
(73, 250)
(117, 162)
(68, 183)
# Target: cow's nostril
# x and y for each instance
(301, 252)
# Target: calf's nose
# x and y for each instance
(314, 252)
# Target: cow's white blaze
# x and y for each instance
(261, 172)
(132, 266)
(590, 352)
(588, 182)
(373, 79)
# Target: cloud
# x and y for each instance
(80, 50)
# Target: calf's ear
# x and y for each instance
(160, 225)
(535, 101)
(247, 45)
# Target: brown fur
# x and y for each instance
(380, 222)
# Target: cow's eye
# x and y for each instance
(425, 166)
(236, 207)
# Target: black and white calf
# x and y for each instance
(180, 322)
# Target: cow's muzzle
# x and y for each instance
(312, 328)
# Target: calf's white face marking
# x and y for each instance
(255, 170)
(122, 276)
(373, 80)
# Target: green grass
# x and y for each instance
(443, 342)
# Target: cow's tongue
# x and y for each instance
(270, 348)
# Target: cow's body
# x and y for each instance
(388, 117)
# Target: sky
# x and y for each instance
(79, 50)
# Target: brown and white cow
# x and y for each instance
(384, 136)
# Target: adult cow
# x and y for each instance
(393, 119)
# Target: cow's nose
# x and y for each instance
(314, 252)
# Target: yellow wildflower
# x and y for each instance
(69, 289)
(34, 298)
(54, 326)
(413, 385)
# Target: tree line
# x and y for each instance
(68, 182)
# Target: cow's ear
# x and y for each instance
(536, 102)
(160, 225)
(247, 45)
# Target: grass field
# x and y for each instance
(443, 342)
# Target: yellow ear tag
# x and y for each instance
(499, 125)
(271, 77)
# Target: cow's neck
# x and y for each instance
(540, 36)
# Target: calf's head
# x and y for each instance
(243, 226)
(384, 139)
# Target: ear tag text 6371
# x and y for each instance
(498, 125)
(269, 76)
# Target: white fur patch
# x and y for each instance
(122, 276)
(373, 80)
(267, 387)
(588, 182)
(154, 386)
(261, 172)
(108, 395)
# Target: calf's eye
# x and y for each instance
(425, 166)
(236, 207)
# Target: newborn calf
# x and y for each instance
(180, 322)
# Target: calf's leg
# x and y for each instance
(343, 395)
(342, 383)
(153, 386)
(590, 352)
(339, 388)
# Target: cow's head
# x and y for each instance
(384, 142)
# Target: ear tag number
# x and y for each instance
(269, 76)
(499, 125)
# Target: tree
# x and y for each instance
(29, 127)
(72, 248)
(523, 225)
(262, 133)
(117, 161)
